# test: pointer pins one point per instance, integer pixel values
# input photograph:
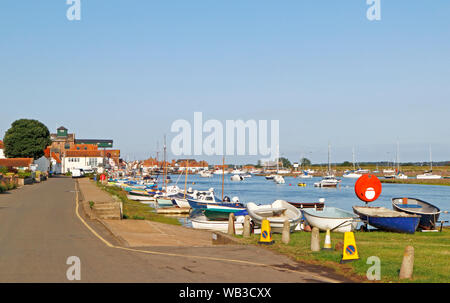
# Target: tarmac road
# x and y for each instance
(39, 231)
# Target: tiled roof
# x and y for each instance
(1, 144)
(16, 162)
(56, 157)
(84, 153)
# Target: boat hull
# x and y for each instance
(400, 224)
(333, 219)
(428, 218)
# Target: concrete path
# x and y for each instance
(39, 230)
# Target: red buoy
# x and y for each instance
(368, 188)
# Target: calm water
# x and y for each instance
(261, 191)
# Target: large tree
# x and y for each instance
(26, 139)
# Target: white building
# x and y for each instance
(84, 159)
(2, 154)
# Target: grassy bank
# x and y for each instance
(442, 182)
(431, 264)
(136, 210)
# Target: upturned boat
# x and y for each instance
(429, 214)
(332, 218)
(276, 213)
(388, 220)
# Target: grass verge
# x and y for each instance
(136, 210)
(431, 257)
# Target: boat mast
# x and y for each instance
(165, 166)
(329, 163)
(223, 174)
(278, 157)
(185, 181)
(353, 152)
(431, 161)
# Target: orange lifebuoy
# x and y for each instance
(368, 188)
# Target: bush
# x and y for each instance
(3, 170)
(24, 174)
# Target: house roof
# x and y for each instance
(61, 128)
(84, 153)
(56, 157)
(16, 162)
(1, 144)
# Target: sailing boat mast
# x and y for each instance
(329, 163)
(431, 161)
(165, 166)
(185, 181)
(223, 174)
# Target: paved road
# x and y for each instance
(39, 230)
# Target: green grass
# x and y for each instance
(136, 210)
(431, 254)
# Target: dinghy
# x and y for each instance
(277, 212)
(429, 214)
(301, 205)
(332, 218)
(388, 220)
(200, 221)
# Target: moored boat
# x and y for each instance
(388, 220)
(276, 213)
(429, 214)
(332, 218)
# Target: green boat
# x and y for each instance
(164, 202)
(215, 214)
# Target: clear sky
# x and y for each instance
(128, 69)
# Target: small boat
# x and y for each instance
(164, 201)
(327, 181)
(429, 214)
(316, 205)
(332, 218)
(247, 175)
(305, 175)
(270, 177)
(428, 176)
(205, 174)
(352, 175)
(221, 213)
(301, 184)
(200, 221)
(279, 179)
(277, 212)
(388, 220)
(237, 178)
(140, 198)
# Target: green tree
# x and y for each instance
(285, 162)
(305, 162)
(26, 139)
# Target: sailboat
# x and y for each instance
(429, 174)
(354, 174)
(329, 180)
(399, 174)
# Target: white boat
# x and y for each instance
(305, 175)
(429, 174)
(220, 172)
(200, 221)
(277, 212)
(352, 175)
(327, 181)
(331, 218)
(141, 198)
(401, 176)
(279, 179)
(237, 178)
(283, 171)
(237, 172)
(205, 174)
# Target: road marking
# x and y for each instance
(305, 274)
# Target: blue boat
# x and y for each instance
(429, 214)
(388, 220)
(195, 204)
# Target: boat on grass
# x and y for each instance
(388, 220)
(277, 212)
(200, 221)
(332, 218)
(429, 214)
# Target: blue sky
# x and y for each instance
(128, 69)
